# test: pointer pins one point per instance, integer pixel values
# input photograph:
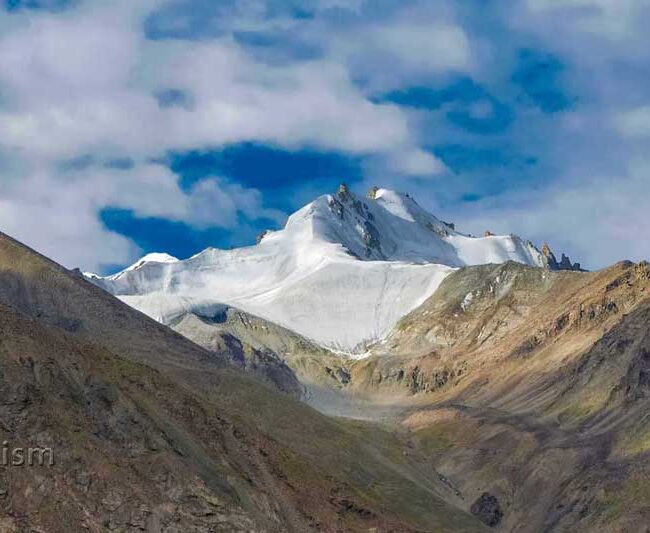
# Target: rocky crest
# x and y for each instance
(553, 264)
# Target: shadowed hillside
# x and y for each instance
(151, 432)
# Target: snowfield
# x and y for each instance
(342, 272)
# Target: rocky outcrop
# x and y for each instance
(336, 207)
(261, 236)
(507, 311)
(371, 238)
(345, 204)
(553, 264)
(487, 509)
(343, 192)
(450, 225)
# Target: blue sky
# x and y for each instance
(173, 125)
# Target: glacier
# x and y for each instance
(342, 272)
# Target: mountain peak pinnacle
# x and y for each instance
(344, 192)
(552, 262)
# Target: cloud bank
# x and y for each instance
(531, 118)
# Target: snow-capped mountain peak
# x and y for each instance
(342, 272)
(391, 226)
(154, 257)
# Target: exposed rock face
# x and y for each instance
(372, 193)
(450, 225)
(336, 207)
(487, 509)
(371, 238)
(261, 236)
(364, 219)
(340, 374)
(508, 309)
(275, 354)
(553, 264)
(261, 362)
(343, 192)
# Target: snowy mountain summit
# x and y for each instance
(342, 272)
(391, 226)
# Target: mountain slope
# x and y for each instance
(151, 432)
(498, 315)
(531, 396)
(254, 357)
(342, 272)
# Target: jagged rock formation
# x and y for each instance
(552, 263)
(261, 236)
(343, 192)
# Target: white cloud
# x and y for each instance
(426, 48)
(312, 103)
(599, 221)
(56, 59)
(635, 122)
(392, 53)
(417, 163)
(58, 215)
(82, 82)
(618, 20)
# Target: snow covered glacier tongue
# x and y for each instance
(342, 272)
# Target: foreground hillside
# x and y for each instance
(152, 433)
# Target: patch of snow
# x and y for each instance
(467, 301)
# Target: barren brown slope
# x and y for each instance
(526, 321)
(151, 432)
(532, 395)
